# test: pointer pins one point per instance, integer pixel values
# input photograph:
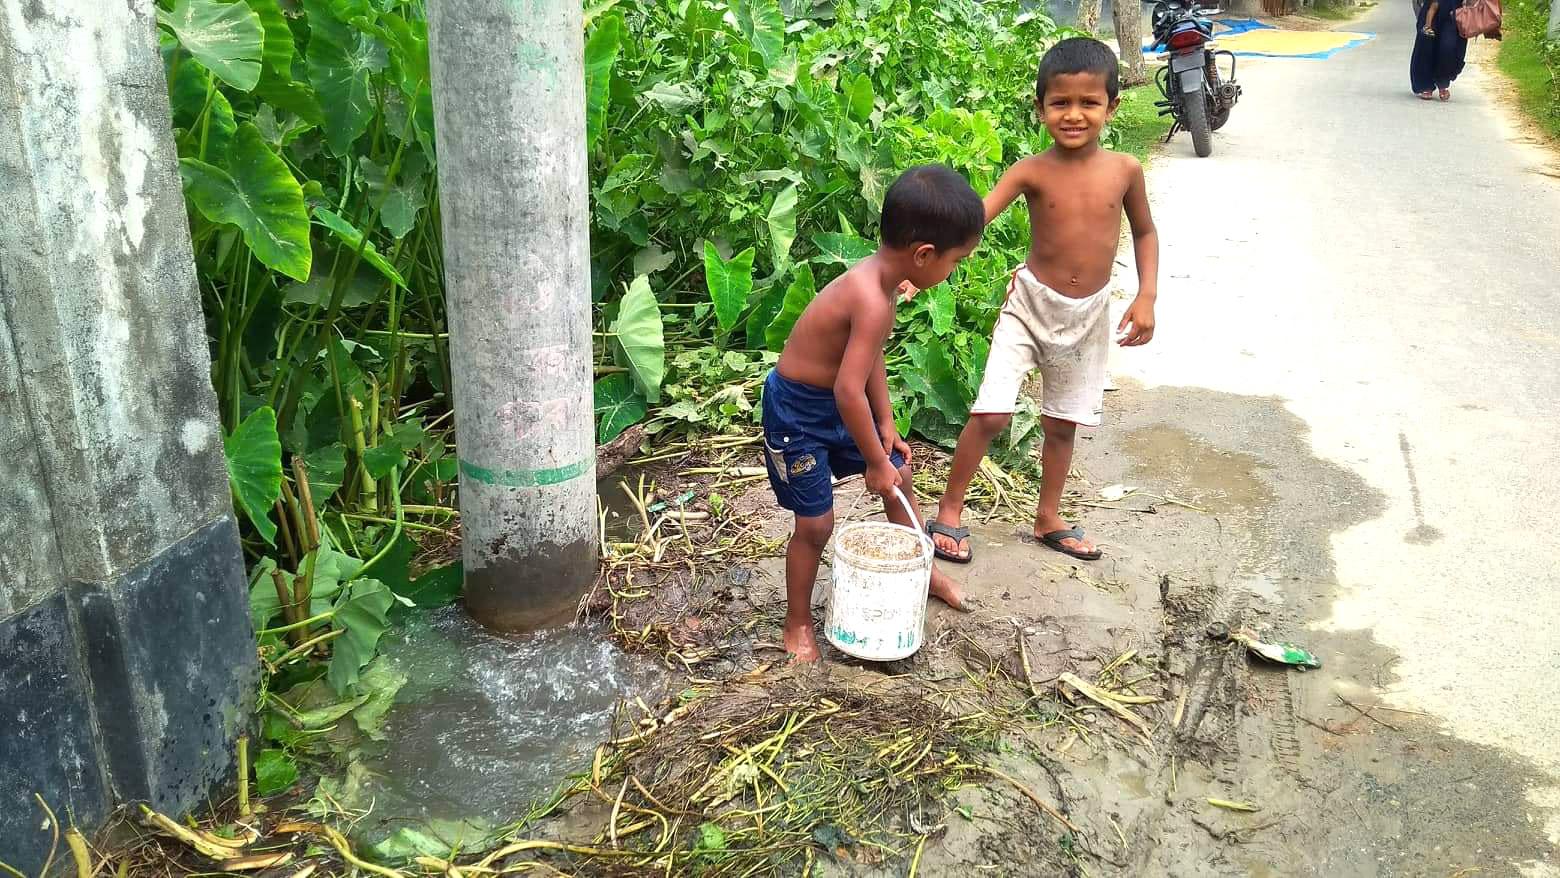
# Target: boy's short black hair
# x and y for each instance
(1079, 55)
(931, 204)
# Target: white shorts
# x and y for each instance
(1067, 339)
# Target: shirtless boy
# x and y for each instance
(1056, 317)
(826, 408)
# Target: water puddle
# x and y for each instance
(1262, 585)
(487, 724)
(1192, 469)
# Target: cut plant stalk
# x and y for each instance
(367, 492)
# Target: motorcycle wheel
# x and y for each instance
(1217, 120)
(1194, 110)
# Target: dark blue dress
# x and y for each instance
(1439, 59)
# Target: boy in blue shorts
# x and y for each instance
(826, 407)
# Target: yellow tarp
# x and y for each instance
(1290, 43)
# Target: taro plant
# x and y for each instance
(739, 153)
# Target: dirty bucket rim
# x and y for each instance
(926, 556)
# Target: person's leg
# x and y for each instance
(974, 440)
(1422, 62)
(942, 587)
(1428, 27)
(1055, 463)
(808, 541)
(1013, 355)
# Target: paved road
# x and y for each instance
(1390, 269)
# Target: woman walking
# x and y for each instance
(1439, 50)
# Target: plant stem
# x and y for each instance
(303, 648)
(244, 808)
(284, 595)
(366, 490)
(302, 623)
(399, 522)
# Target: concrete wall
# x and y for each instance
(126, 657)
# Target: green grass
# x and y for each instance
(1139, 121)
(1532, 65)
(1335, 12)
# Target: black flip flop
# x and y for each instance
(957, 534)
(1054, 541)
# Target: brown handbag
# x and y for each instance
(1478, 18)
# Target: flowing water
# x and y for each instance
(489, 724)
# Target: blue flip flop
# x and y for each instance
(1054, 541)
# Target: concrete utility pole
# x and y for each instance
(127, 664)
(509, 99)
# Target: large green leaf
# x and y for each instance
(227, 38)
(258, 194)
(326, 468)
(674, 97)
(202, 111)
(842, 248)
(652, 259)
(637, 331)
(296, 98)
(618, 407)
(381, 460)
(601, 52)
(438, 587)
(351, 236)
(254, 462)
(764, 26)
(756, 327)
(275, 772)
(797, 296)
(729, 282)
(331, 568)
(361, 615)
(940, 304)
(597, 9)
(279, 47)
(934, 379)
(218, 130)
(859, 97)
(380, 681)
(400, 201)
(340, 61)
(782, 227)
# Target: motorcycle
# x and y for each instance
(1196, 93)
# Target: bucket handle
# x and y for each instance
(927, 546)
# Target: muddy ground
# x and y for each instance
(1228, 524)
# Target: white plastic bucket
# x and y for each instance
(877, 606)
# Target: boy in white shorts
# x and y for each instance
(1056, 315)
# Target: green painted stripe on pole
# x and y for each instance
(524, 478)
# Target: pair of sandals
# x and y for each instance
(1053, 540)
(1446, 95)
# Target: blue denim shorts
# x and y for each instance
(807, 446)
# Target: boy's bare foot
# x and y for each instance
(946, 590)
(956, 550)
(801, 642)
(1077, 546)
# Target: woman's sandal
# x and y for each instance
(1446, 95)
(1427, 95)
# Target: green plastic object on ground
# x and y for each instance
(1281, 653)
